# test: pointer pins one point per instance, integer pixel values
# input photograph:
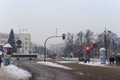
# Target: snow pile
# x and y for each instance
(53, 65)
(16, 72)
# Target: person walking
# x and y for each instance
(0, 61)
(111, 60)
(9, 55)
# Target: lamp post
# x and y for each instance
(45, 54)
(109, 34)
(105, 42)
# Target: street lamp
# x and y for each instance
(105, 42)
(45, 54)
(109, 42)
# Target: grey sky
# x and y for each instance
(41, 17)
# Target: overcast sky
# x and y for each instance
(42, 17)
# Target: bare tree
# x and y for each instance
(79, 43)
(89, 37)
(69, 44)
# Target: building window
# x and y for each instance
(25, 43)
(25, 47)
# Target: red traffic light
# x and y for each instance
(87, 48)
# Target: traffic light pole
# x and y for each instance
(19, 42)
(45, 53)
(105, 43)
(18, 57)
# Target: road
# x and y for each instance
(40, 72)
(78, 72)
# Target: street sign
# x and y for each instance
(113, 41)
(94, 45)
(19, 42)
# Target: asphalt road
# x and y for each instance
(78, 72)
(40, 72)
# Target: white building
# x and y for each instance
(24, 37)
(57, 48)
(3, 38)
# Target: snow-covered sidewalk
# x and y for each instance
(12, 72)
(94, 64)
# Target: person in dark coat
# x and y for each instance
(0, 62)
(111, 60)
(117, 58)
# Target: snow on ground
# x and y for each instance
(93, 62)
(73, 59)
(67, 61)
(53, 64)
(15, 73)
(90, 63)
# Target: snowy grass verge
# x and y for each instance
(67, 61)
(53, 65)
(72, 59)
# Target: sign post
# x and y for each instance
(18, 42)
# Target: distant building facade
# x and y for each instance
(57, 48)
(24, 37)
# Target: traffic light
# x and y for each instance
(63, 36)
(88, 48)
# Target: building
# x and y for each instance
(24, 37)
(57, 48)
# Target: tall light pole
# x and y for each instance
(109, 42)
(45, 54)
(105, 42)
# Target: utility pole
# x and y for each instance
(45, 54)
(19, 42)
(105, 42)
(109, 33)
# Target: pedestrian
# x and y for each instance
(111, 60)
(0, 62)
(117, 59)
(9, 55)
